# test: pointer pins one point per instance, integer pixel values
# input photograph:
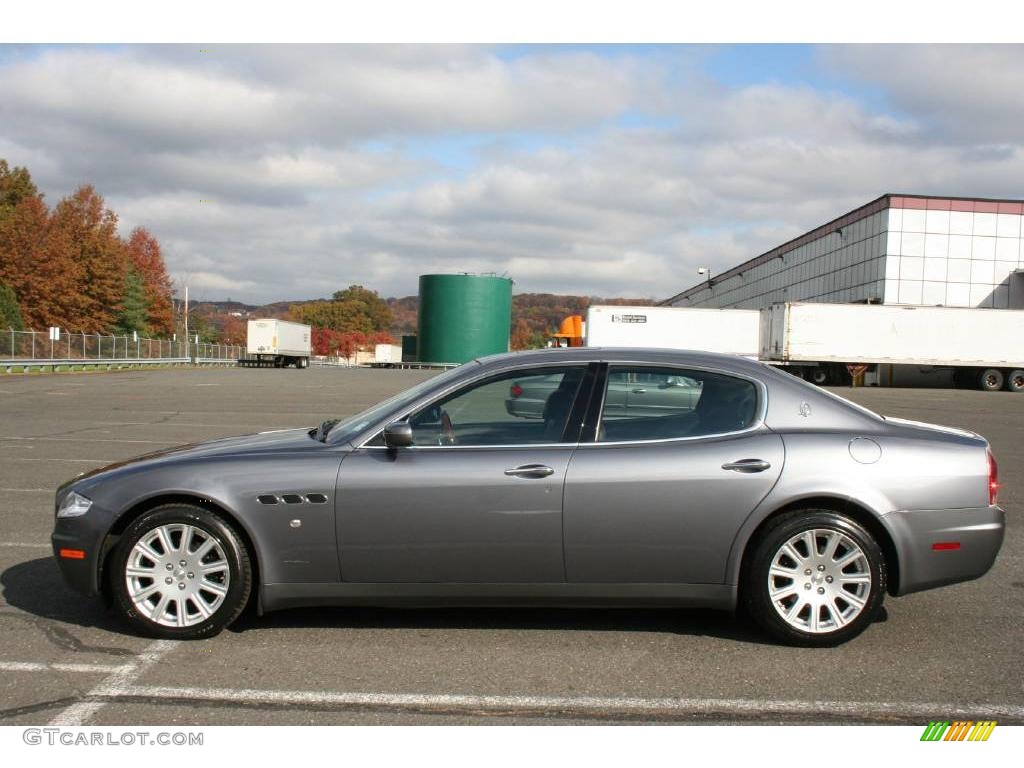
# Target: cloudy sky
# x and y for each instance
(285, 172)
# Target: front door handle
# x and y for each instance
(747, 465)
(530, 470)
(639, 391)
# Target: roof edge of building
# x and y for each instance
(887, 200)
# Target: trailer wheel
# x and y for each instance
(820, 375)
(1015, 380)
(991, 380)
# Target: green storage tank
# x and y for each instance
(463, 317)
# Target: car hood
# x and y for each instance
(278, 441)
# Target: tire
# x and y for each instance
(1015, 380)
(819, 615)
(194, 605)
(820, 376)
(990, 380)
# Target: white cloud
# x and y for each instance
(322, 166)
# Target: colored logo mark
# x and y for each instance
(961, 730)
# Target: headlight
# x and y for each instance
(74, 505)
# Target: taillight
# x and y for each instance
(993, 478)
(515, 390)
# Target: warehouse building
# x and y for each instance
(898, 249)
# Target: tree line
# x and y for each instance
(69, 266)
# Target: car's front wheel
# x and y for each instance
(180, 572)
(815, 578)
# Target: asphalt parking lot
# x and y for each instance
(946, 654)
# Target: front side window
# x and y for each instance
(645, 403)
(521, 408)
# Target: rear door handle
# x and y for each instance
(639, 391)
(747, 465)
(530, 470)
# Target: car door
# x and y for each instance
(477, 498)
(658, 497)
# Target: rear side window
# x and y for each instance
(644, 403)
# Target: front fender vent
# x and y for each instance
(267, 499)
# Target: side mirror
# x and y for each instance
(398, 434)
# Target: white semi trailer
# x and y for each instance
(278, 343)
(982, 348)
(731, 331)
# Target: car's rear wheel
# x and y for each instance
(815, 578)
(180, 572)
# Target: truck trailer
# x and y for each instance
(277, 343)
(731, 331)
(982, 348)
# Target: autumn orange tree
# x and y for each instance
(69, 267)
(145, 258)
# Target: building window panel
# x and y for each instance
(934, 269)
(895, 221)
(958, 295)
(911, 268)
(958, 270)
(983, 248)
(982, 272)
(936, 245)
(913, 220)
(1007, 225)
(959, 247)
(912, 244)
(1007, 248)
(985, 224)
(933, 293)
(937, 222)
(961, 223)
(910, 291)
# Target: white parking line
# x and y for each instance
(25, 544)
(36, 666)
(116, 684)
(26, 490)
(581, 705)
(120, 684)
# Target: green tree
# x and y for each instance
(368, 303)
(353, 310)
(134, 311)
(10, 312)
(15, 185)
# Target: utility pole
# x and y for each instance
(186, 313)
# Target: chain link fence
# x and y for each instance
(85, 348)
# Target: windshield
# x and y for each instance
(348, 428)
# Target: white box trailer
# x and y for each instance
(387, 354)
(279, 343)
(982, 347)
(731, 331)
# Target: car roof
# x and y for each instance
(651, 355)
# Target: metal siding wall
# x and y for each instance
(832, 268)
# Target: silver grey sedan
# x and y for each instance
(758, 492)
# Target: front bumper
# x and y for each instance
(978, 532)
(78, 533)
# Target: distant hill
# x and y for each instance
(542, 312)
